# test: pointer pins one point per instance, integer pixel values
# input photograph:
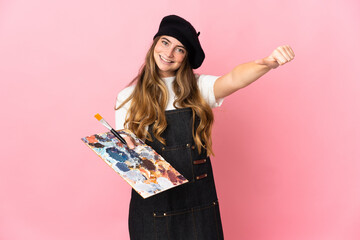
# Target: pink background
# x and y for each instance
(287, 147)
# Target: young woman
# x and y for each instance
(170, 107)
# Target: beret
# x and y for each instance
(185, 33)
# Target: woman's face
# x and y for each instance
(169, 53)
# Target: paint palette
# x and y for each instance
(142, 167)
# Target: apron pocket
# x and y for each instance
(180, 158)
(194, 223)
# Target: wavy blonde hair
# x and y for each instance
(150, 97)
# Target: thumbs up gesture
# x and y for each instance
(279, 56)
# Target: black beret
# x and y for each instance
(183, 31)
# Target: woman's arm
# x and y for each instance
(244, 74)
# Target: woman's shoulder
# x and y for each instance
(124, 94)
(206, 77)
(206, 80)
(206, 88)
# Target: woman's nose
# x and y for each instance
(169, 52)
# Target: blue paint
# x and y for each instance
(122, 167)
(135, 176)
(116, 154)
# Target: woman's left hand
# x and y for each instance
(279, 56)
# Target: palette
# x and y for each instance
(143, 168)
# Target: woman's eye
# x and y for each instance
(165, 43)
(180, 50)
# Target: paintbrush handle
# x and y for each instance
(118, 136)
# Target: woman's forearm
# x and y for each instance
(246, 73)
(241, 76)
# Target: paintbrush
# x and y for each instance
(100, 118)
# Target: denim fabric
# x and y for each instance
(186, 212)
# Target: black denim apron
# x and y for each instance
(186, 212)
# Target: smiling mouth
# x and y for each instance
(165, 60)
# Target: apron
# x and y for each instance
(186, 212)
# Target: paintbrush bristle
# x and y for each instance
(98, 117)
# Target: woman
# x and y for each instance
(170, 107)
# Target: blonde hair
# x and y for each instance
(150, 97)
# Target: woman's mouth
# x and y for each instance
(165, 60)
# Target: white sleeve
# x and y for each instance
(120, 114)
(206, 87)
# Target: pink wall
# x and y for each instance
(287, 147)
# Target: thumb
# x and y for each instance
(129, 142)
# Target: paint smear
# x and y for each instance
(143, 168)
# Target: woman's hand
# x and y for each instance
(129, 142)
(279, 56)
